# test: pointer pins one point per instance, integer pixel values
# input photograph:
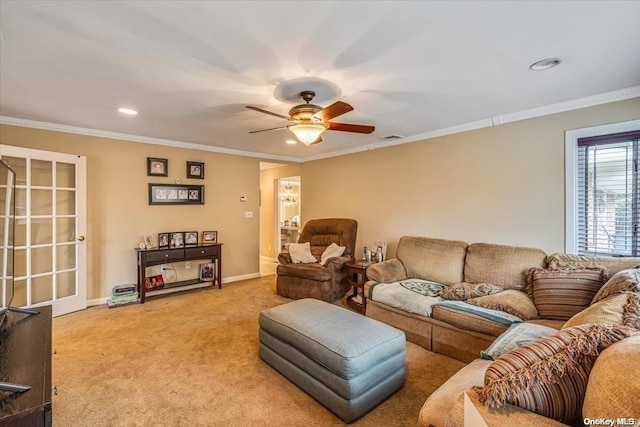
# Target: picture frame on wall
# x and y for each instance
(163, 240)
(157, 166)
(176, 194)
(176, 240)
(190, 238)
(209, 237)
(195, 170)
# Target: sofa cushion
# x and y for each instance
(463, 291)
(437, 260)
(623, 281)
(471, 318)
(613, 390)
(612, 264)
(301, 253)
(482, 260)
(561, 293)
(621, 309)
(510, 301)
(517, 335)
(549, 376)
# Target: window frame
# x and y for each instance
(571, 174)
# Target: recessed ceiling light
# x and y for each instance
(291, 141)
(128, 111)
(544, 64)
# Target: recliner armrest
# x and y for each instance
(336, 263)
(284, 258)
(387, 271)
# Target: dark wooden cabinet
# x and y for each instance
(151, 257)
(25, 358)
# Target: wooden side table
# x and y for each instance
(357, 277)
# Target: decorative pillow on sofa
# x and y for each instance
(517, 335)
(549, 376)
(463, 291)
(510, 301)
(301, 253)
(623, 281)
(332, 250)
(621, 309)
(611, 392)
(559, 294)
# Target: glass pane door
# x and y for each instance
(49, 249)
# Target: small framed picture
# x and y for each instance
(195, 170)
(207, 272)
(176, 240)
(209, 236)
(153, 282)
(149, 243)
(157, 166)
(190, 238)
(163, 240)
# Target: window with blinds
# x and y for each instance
(608, 195)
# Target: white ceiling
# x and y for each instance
(408, 68)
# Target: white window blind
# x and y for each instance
(608, 195)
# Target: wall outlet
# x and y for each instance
(187, 265)
(163, 267)
(248, 214)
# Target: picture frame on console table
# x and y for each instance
(163, 240)
(190, 238)
(176, 194)
(209, 237)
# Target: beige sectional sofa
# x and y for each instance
(464, 335)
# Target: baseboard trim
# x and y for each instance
(100, 301)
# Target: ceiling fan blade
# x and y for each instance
(334, 110)
(260, 110)
(266, 130)
(344, 127)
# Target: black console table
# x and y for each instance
(25, 358)
(150, 257)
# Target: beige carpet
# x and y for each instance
(191, 358)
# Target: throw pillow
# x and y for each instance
(621, 309)
(549, 376)
(559, 294)
(517, 335)
(463, 291)
(510, 301)
(332, 250)
(612, 393)
(623, 281)
(301, 253)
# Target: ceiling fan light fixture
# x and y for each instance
(307, 133)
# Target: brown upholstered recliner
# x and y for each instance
(326, 283)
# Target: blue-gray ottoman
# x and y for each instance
(347, 362)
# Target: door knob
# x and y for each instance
(80, 238)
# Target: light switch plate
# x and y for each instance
(248, 214)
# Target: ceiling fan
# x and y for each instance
(312, 120)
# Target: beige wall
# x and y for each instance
(118, 213)
(268, 209)
(503, 184)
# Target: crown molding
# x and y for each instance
(13, 121)
(589, 101)
(576, 104)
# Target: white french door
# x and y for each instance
(50, 250)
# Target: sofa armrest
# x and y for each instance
(506, 415)
(387, 271)
(336, 263)
(284, 258)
